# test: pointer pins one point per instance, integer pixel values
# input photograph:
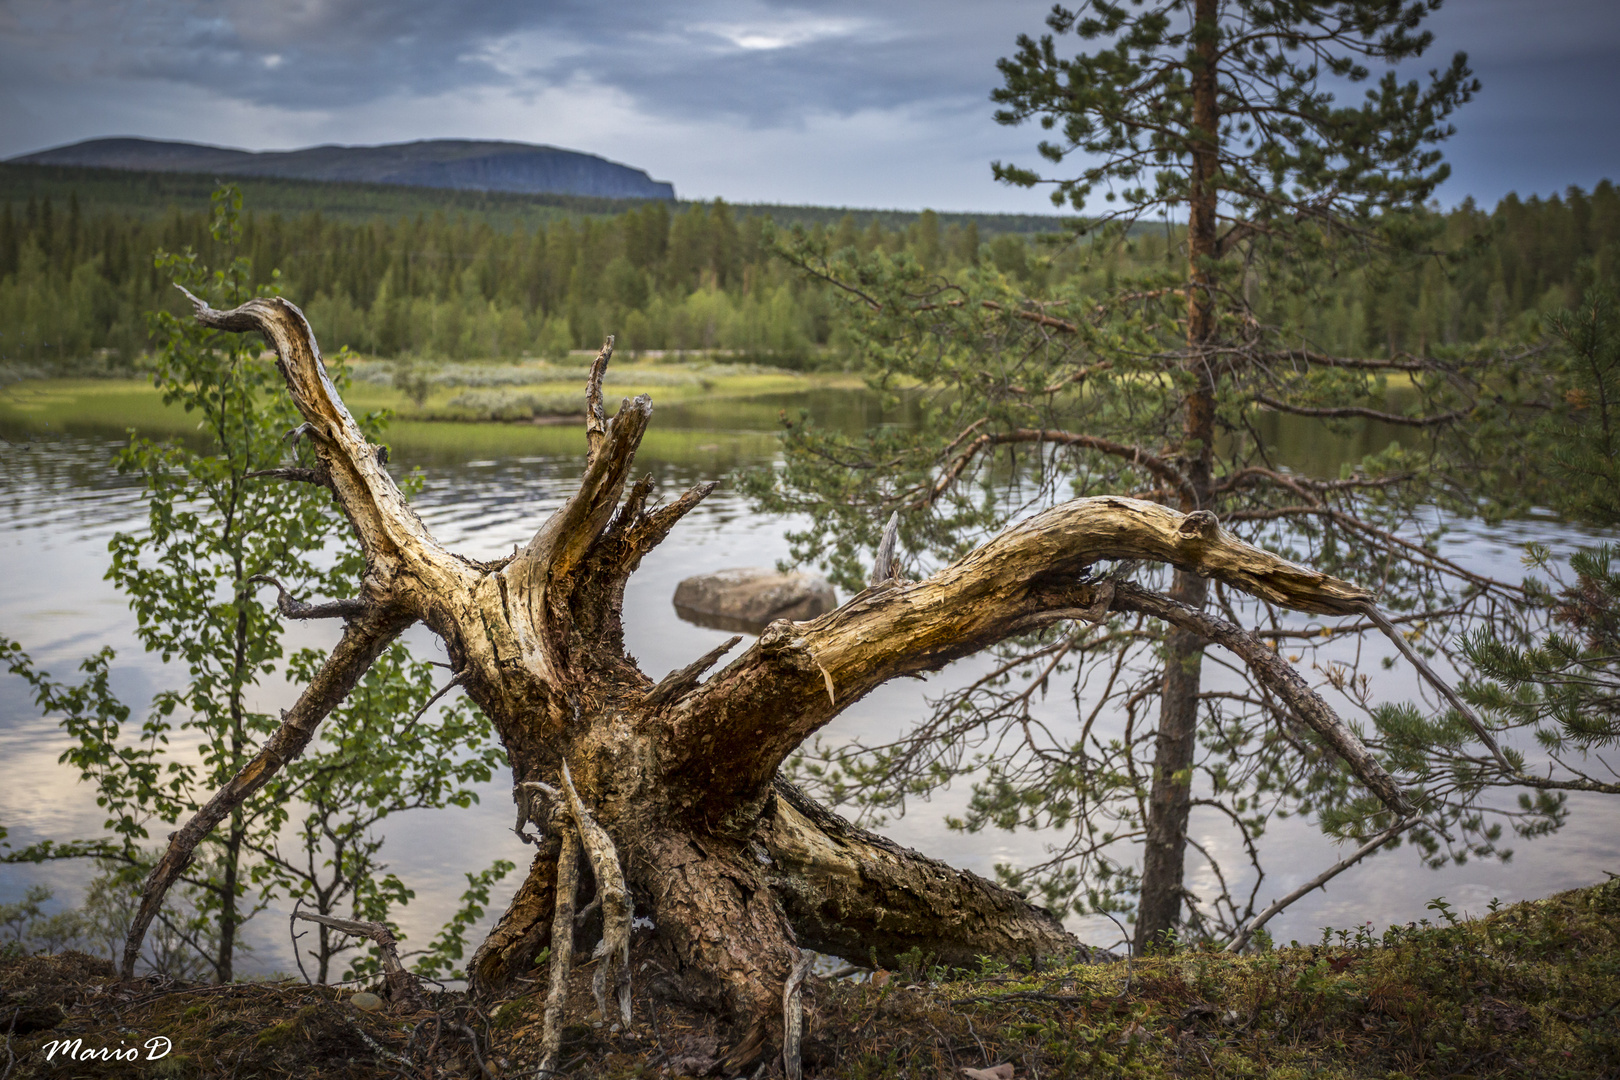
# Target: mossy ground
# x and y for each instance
(1532, 990)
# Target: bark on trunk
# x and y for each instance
(671, 786)
(1164, 856)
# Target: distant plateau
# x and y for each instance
(462, 164)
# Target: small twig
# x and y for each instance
(11, 1058)
(292, 921)
(983, 1053)
(298, 609)
(455, 680)
(946, 1043)
(1029, 995)
(595, 419)
(472, 1037)
(377, 1048)
(1574, 1018)
(1237, 943)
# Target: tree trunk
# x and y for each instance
(1164, 856)
(671, 788)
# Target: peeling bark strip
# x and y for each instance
(793, 1019)
(562, 953)
(614, 897)
(671, 790)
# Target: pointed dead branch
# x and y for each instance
(650, 531)
(386, 525)
(402, 985)
(1237, 944)
(630, 511)
(793, 1018)
(362, 642)
(617, 912)
(885, 566)
(562, 952)
(563, 541)
(678, 682)
(595, 419)
(294, 608)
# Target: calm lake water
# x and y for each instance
(488, 488)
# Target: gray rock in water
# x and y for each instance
(749, 598)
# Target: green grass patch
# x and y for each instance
(90, 405)
(732, 431)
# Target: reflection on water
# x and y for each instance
(485, 490)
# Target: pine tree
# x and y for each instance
(1174, 386)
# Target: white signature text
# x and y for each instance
(75, 1050)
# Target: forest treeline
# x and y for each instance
(74, 285)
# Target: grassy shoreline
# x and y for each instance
(440, 428)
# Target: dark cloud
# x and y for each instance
(762, 63)
(870, 90)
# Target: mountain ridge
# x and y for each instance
(456, 164)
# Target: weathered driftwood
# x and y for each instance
(674, 785)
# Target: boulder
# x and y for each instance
(749, 598)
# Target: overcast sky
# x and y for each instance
(834, 102)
